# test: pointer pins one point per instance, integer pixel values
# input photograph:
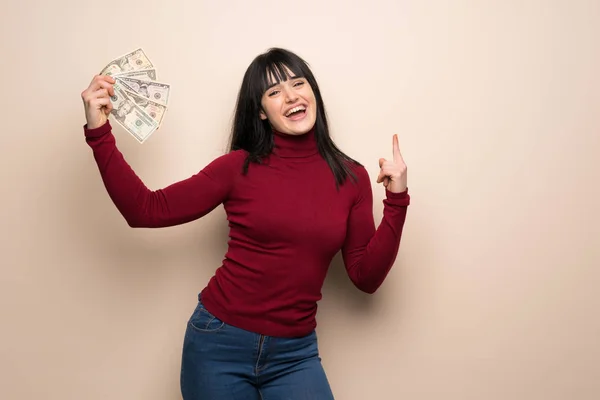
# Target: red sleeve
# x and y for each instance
(369, 253)
(176, 204)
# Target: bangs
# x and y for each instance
(281, 69)
(271, 68)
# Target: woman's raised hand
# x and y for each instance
(96, 100)
(393, 173)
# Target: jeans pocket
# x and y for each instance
(203, 321)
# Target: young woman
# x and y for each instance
(293, 200)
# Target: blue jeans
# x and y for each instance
(222, 362)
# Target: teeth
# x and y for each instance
(293, 110)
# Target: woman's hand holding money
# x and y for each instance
(96, 100)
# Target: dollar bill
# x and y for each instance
(155, 91)
(143, 74)
(133, 61)
(130, 115)
(155, 110)
(140, 101)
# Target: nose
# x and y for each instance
(290, 95)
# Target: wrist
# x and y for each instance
(94, 124)
(397, 195)
(95, 130)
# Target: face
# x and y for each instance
(290, 106)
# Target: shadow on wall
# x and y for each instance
(400, 291)
(339, 289)
(131, 258)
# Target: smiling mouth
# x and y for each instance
(296, 113)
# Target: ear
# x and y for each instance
(263, 116)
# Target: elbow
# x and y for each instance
(138, 218)
(369, 282)
(147, 221)
(136, 221)
(369, 287)
(367, 276)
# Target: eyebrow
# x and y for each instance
(277, 83)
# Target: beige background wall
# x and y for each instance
(496, 103)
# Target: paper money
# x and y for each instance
(144, 74)
(155, 110)
(140, 101)
(131, 116)
(156, 91)
(134, 61)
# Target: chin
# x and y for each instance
(295, 131)
(298, 127)
(299, 131)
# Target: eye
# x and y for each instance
(299, 83)
(273, 93)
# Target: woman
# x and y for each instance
(293, 200)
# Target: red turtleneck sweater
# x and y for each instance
(287, 220)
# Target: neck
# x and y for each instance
(295, 146)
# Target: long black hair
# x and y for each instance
(251, 133)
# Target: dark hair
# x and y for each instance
(251, 133)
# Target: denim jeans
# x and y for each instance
(223, 362)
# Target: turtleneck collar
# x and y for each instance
(295, 146)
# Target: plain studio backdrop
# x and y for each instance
(496, 103)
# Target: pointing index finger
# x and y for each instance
(397, 154)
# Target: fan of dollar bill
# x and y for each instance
(140, 101)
